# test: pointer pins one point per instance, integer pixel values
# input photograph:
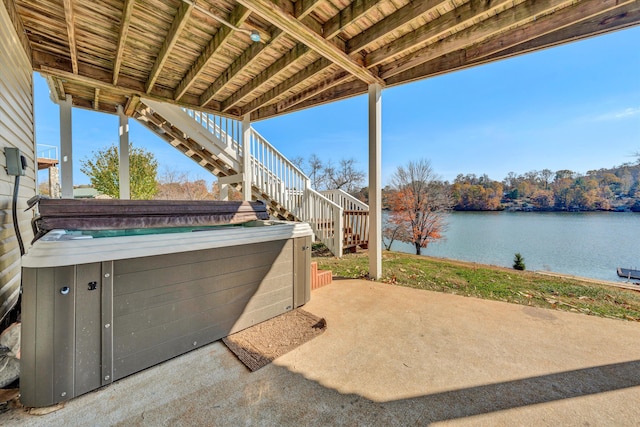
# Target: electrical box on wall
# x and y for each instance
(16, 162)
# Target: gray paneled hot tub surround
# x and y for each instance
(98, 309)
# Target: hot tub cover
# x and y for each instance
(100, 214)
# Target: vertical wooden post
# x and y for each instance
(375, 181)
(246, 158)
(66, 149)
(123, 170)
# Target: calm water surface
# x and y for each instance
(582, 244)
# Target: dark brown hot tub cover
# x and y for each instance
(101, 214)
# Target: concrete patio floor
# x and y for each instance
(392, 356)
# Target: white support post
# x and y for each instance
(246, 158)
(375, 181)
(123, 170)
(66, 149)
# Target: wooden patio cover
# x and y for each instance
(200, 54)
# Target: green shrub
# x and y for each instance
(518, 262)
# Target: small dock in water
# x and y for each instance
(629, 273)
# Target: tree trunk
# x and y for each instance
(418, 248)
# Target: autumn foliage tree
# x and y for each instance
(418, 205)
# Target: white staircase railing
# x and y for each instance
(345, 200)
(272, 175)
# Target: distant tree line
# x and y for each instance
(564, 190)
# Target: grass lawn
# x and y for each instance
(491, 282)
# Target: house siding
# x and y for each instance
(16, 130)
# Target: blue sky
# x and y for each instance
(574, 107)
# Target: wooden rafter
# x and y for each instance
(295, 54)
(483, 52)
(238, 16)
(96, 99)
(439, 27)
(304, 35)
(97, 78)
(122, 37)
(310, 71)
(615, 19)
(180, 20)
(346, 16)
(71, 33)
(338, 92)
(398, 19)
(330, 30)
(310, 92)
(510, 18)
(251, 55)
(247, 58)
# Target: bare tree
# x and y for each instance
(418, 204)
(344, 177)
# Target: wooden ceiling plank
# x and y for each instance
(127, 10)
(346, 16)
(70, 21)
(313, 69)
(179, 21)
(434, 30)
(399, 18)
(289, 58)
(238, 15)
(247, 58)
(511, 17)
(515, 42)
(305, 35)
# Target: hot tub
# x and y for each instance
(96, 309)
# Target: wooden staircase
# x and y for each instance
(217, 144)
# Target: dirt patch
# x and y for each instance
(259, 345)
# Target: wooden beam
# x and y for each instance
(382, 28)
(518, 15)
(304, 35)
(313, 69)
(346, 16)
(96, 99)
(303, 8)
(180, 20)
(335, 93)
(460, 17)
(247, 58)
(614, 20)
(488, 50)
(131, 105)
(288, 59)
(238, 16)
(18, 26)
(127, 10)
(95, 77)
(53, 89)
(334, 80)
(70, 20)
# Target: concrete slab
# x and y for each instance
(393, 356)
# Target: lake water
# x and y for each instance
(581, 244)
